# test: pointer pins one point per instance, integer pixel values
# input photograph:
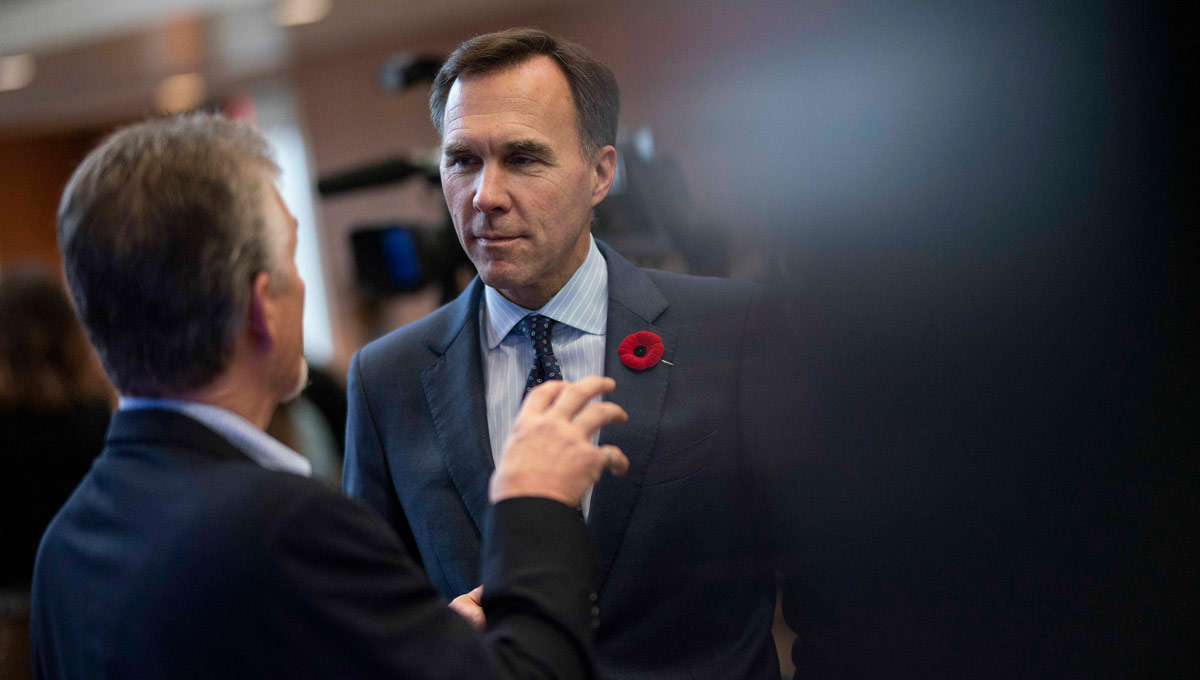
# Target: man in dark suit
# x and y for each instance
(197, 547)
(689, 541)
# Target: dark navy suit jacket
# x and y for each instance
(179, 557)
(688, 542)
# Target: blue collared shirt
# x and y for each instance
(259, 446)
(581, 310)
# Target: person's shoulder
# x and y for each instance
(701, 301)
(409, 335)
(274, 490)
(211, 484)
(707, 290)
(227, 509)
(299, 520)
(267, 507)
(694, 282)
(413, 339)
(314, 510)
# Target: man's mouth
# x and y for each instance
(495, 239)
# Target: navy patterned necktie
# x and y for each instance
(545, 365)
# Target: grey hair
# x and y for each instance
(162, 232)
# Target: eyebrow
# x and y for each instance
(528, 146)
(531, 147)
(455, 149)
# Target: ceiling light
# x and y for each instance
(299, 12)
(180, 93)
(16, 71)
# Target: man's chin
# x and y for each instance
(301, 382)
(504, 277)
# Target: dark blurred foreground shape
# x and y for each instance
(1003, 342)
(55, 405)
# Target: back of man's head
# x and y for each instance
(593, 86)
(161, 233)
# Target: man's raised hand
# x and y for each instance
(549, 452)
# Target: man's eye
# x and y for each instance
(459, 162)
(522, 160)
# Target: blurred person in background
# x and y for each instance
(690, 541)
(197, 546)
(55, 404)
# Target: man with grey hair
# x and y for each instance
(197, 547)
(688, 543)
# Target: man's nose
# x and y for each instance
(491, 194)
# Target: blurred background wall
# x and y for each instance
(984, 212)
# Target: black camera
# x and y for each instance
(393, 259)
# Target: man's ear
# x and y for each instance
(605, 169)
(259, 317)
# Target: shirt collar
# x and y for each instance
(259, 446)
(582, 303)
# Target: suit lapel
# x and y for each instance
(634, 303)
(453, 386)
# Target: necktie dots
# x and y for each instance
(545, 365)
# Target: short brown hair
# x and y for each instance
(593, 86)
(45, 361)
(162, 231)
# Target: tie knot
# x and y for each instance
(537, 328)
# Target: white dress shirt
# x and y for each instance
(581, 310)
(259, 446)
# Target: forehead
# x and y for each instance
(533, 97)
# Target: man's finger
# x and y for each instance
(541, 397)
(615, 461)
(576, 395)
(469, 607)
(598, 414)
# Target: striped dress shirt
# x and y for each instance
(581, 310)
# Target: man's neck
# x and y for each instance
(527, 299)
(235, 395)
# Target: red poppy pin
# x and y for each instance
(640, 350)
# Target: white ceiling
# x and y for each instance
(46, 25)
(97, 62)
